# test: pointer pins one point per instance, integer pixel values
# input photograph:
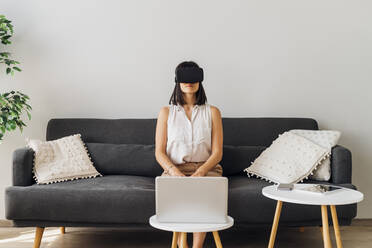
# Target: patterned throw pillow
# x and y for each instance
(289, 159)
(60, 160)
(326, 139)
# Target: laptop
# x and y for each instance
(191, 199)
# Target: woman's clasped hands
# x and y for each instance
(174, 171)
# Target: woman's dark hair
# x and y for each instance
(177, 97)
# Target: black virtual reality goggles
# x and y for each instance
(189, 75)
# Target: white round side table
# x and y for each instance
(183, 228)
(341, 196)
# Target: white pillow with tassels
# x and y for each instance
(60, 160)
(289, 159)
(326, 139)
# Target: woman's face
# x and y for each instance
(189, 87)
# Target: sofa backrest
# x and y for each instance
(254, 132)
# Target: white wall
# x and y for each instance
(116, 59)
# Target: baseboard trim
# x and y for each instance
(6, 223)
(361, 222)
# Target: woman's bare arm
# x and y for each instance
(161, 143)
(217, 141)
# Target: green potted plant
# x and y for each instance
(14, 103)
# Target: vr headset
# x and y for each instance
(189, 75)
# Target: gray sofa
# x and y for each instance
(123, 151)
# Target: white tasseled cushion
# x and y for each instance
(60, 160)
(289, 159)
(326, 139)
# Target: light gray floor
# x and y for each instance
(358, 235)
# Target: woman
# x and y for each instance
(189, 135)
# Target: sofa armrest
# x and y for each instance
(340, 165)
(22, 166)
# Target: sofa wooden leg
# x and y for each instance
(38, 236)
(62, 230)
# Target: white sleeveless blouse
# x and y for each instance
(189, 141)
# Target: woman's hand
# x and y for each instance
(174, 171)
(200, 172)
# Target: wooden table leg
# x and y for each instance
(183, 240)
(326, 238)
(217, 239)
(275, 223)
(336, 226)
(62, 230)
(174, 239)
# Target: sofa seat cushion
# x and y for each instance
(131, 199)
(107, 199)
(247, 204)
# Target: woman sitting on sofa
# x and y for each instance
(189, 133)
